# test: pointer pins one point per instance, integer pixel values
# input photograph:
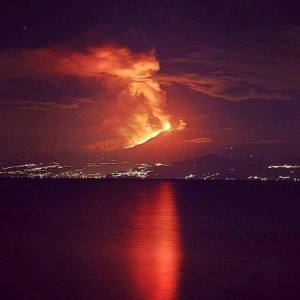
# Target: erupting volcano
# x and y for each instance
(151, 135)
(135, 110)
(148, 117)
(139, 111)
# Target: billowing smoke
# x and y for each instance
(139, 109)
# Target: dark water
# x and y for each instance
(128, 239)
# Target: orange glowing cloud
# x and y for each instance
(138, 112)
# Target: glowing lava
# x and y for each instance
(166, 127)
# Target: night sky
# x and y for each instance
(85, 78)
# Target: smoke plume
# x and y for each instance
(138, 112)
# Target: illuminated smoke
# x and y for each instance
(138, 113)
(145, 117)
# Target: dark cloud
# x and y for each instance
(117, 36)
(65, 103)
(253, 69)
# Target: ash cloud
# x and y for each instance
(136, 110)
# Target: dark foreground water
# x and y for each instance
(129, 239)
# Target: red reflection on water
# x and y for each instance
(155, 251)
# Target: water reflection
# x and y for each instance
(155, 252)
(121, 240)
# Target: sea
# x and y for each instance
(149, 239)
